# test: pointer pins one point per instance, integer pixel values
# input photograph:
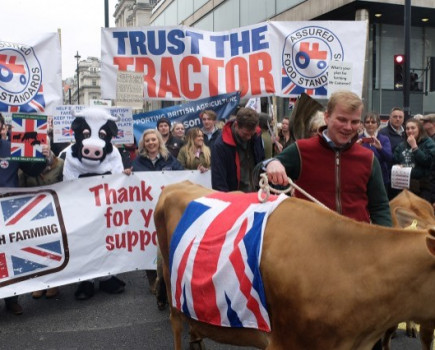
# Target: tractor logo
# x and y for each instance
(20, 74)
(305, 60)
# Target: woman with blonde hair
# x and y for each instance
(153, 154)
(195, 154)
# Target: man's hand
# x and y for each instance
(276, 173)
(46, 151)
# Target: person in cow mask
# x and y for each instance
(93, 154)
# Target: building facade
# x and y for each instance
(89, 84)
(385, 40)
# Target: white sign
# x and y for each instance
(30, 75)
(129, 89)
(103, 103)
(63, 118)
(81, 229)
(339, 76)
(400, 177)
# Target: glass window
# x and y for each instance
(197, 4)
(282, 5)
(171, 14)
(205, 23)
(159, 21)
(227, 16)
(185, 9)
(264, 9)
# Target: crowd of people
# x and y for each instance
(346, 164)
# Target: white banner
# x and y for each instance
(63, 118)
(273, 58)
(82, 229)
(31, 75)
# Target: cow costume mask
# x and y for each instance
(93, 152)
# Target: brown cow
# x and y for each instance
(407, 209)
(330, 282)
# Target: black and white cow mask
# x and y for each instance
(93, 131)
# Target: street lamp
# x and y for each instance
(77, 57)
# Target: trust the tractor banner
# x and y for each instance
(273, 58)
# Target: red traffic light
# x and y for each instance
(399, 59)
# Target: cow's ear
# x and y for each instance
(430, 240)
(78, 124)
(405, 218)
(113, 128)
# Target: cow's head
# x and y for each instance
(93, 130)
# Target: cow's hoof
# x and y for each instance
(197, 345)
(411, 329)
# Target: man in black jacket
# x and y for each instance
(211, 133)
(236, 152)
(172, 143)
(394, 129)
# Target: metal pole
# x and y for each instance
(78, 78)
(406, 87)
(106, 13)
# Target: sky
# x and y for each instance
(80, 22)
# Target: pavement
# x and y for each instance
(129, 320)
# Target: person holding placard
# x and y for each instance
(416, 152)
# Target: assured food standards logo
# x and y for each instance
(305, 60)
(20, 76)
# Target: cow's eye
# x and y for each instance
(102, 134)
(86, 134)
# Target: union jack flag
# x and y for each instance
(29, 133)
(290, 88)
(67, 131)
(215, 257)
(33, 240)
(120, 134)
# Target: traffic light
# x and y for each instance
(413, 83)
(399, 71)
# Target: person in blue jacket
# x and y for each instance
(154, 156)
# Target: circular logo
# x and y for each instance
(306, 54)
(20, 74)
(4, 164)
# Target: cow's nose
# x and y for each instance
(92, 152)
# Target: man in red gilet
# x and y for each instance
(334, 169)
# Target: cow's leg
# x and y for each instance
(411, 329)
(197, 345)
(177, 327)
(426, 336)
(386, 340)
